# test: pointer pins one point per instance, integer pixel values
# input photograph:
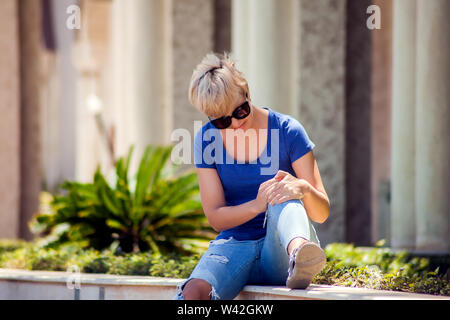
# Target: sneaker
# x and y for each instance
(305, 262)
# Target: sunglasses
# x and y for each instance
(239, 113)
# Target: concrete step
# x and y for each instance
(50, 285)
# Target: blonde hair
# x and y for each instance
(216, 84)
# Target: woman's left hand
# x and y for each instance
(287, 188)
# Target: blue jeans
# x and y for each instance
(229, 264)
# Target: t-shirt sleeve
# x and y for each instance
(298, 142)
(199, 147)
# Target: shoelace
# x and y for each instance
(292, 261)
(265, 219)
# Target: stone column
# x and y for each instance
(432, 126)
(58, 127)
(293, 55)
(152, 67)
(93, 106)
(265, 44)
(67, 125)
(222, 25)
(9, 120)
(322, 95)
(141, 37)
(192, 37)
(403, 229)
(381, 121)
(30, 138)
(357, 121)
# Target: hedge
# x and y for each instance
(376, 268)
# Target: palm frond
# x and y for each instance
(160, 212)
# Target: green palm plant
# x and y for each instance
(159, 211)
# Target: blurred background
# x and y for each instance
(82, 81)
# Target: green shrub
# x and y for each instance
(8, 245)
(17, 259)
(96, 265)
(380, 268)
(376, 268)
(156, 211)
(131, 264)
(93, 261)
(387, 260)
(173, 266)
(49, 259)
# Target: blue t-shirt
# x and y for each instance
(287, 141)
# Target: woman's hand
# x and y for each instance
(286, 187)
(261, 198)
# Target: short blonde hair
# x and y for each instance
(216, 84)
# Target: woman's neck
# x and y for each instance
(259, 118)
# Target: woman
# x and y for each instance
(260, 196)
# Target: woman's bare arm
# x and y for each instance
(316, 201)
(219, 215)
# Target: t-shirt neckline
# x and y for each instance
(265, 150)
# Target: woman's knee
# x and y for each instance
(278, 207)
(197, 289)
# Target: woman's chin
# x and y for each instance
(243, 126)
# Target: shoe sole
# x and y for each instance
(309, 261)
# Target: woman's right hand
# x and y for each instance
(261, 198)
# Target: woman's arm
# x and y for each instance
(308, 186)
(220, 216)
(316, 202)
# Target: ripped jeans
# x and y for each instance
(229, 264)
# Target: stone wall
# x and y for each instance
(322, 94)
(357, 124)
(9, 120)
(30, 126)
(193, 25)
(381, 122)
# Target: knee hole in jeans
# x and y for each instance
(197, 289)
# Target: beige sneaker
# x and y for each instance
(305, 262)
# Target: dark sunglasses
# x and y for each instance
(239, 113)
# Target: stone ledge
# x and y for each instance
(25, 284)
